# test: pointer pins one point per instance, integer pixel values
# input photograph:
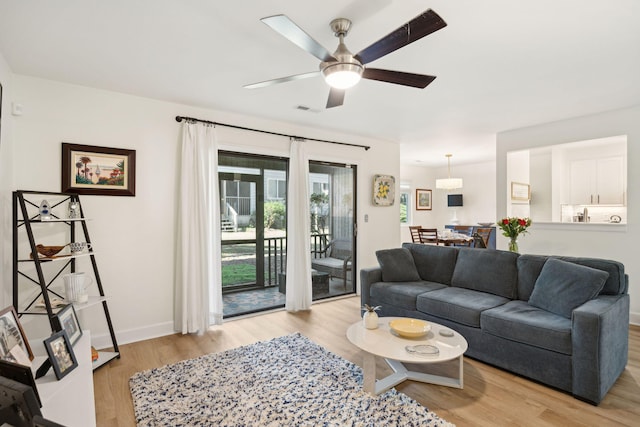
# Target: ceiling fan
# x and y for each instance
(342, 69)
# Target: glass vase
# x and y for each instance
(513, 244)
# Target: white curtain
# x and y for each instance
(298, 295)
(198, 269)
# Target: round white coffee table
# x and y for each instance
(383, 342)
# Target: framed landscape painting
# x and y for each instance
(423, 200)
(95, 170)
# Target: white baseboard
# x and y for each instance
(634, 318)
(133, 335)
(167, 328)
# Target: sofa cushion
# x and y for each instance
(434, 263)
(487, 271)
(530, 266)
(563, 286)
(615, 284)
(397, 265)
(521, 322)
(401, 294)
(458, 304)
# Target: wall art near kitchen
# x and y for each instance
(384, 190)
(423, 199)
(520, 192)
(95, 170)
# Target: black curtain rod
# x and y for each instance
(300, 138)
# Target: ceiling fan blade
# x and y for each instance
(398, 77)
(282, 80)
(296, 35)
(420, 26)
(336, 98)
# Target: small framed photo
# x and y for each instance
(423, 199)
(21, 374)
(88, 169)
(520, 192)
(14, 345)
(61, 354)
(67, 320)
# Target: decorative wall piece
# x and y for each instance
(384, 190)
(423, 199)
(95, 170)
(14, 346)
(520, 192)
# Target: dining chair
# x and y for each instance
(484, 233)
(415, 233)
(429, 235)
(478, 241)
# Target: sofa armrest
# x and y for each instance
(368, 276)
(600, 337)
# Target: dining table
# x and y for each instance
(450, 239)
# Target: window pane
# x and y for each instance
(404, 207)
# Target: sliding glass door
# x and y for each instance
(332, 189)
(253, 206)
(253, 221)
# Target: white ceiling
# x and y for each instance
(501, 64)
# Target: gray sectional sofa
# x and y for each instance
(562, 321)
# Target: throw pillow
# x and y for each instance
(563, 286)
(397, 265)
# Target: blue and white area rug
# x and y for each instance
(287, 381)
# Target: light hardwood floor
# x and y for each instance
(491, 397)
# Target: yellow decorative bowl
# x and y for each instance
(410, 328)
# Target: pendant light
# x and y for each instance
(449, 183)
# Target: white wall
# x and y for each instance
(418, 177)
(479, 198)
(134, 237)
(6, 168)
(617, 242)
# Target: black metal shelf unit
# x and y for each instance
(24, 206)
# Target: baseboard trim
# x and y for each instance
(128, 336)
(167, 328)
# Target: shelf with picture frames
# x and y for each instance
(28, 220)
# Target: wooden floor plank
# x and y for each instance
(491, 397)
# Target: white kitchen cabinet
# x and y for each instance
(597, 181)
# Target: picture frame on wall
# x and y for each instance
(93, 170)
(61, 355)
(384, 190)
(520, 192)
(14, 346)
(67, 320)
(424, 199)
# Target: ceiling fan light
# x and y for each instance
(449, 183)
(342, 75)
